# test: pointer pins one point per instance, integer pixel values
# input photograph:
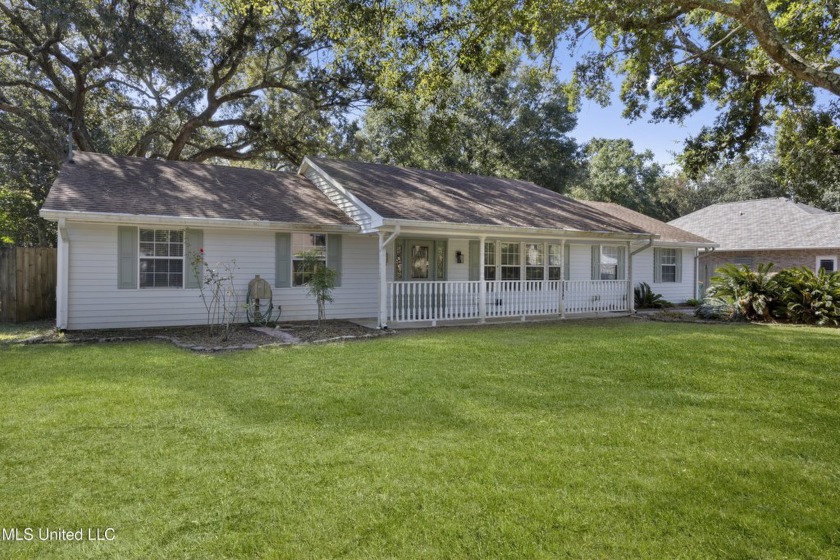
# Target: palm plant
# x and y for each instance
(752, 292)
(809, 297)
(645, 298)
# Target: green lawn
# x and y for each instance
(597, 439)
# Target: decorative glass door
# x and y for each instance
(417, 263)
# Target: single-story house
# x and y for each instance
(772, 230)
(409, 245)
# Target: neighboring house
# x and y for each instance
(772, 230)
(409, 245)
(669, 266)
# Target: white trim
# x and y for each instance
(832, 258)
(465, 230)
(375, 219)
(182, 221)
(63, 275)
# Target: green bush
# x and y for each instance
(808, 297)
(646, 299)
(718, 309)
(753, 293)
(796, 295)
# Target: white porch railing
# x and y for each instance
(441, 301)
(595, 296)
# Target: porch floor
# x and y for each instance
(373, 323)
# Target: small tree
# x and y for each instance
(321, 281)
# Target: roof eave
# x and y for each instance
(490, 229)
(116, 218)
(672, 243)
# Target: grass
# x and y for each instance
(599, 439)
(10, 332)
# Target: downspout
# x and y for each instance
(631, 307)
(383, 276)
(643, 247)
(62, 275)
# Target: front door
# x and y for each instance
(417, 262)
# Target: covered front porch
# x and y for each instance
(427, 278)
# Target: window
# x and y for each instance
(489, 260)
(510, 261)
(555, 262)
(161, 258)
(304, 243)
(440, 269)
(829, 264)
(747, 261)
(534, 261)
(608, 262)
(668, 263)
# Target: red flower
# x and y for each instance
(201, 250)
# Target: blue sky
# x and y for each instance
(664, 139)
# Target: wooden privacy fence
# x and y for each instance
(27, 283)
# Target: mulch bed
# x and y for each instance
(202, 339)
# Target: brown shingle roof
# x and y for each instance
(666, 232)
(126, 185)
(770, 223)
(457, 198)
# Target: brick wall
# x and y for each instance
(780, 259)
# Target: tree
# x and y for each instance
(808, 151)
(321, 280)
(750, 58)
(25, 179)
(617, 173)
(175, 80)
(511, 125)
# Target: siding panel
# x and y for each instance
(95, 302)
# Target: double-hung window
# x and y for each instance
(161, 258)
(608, 262)
(511, 259)
(302, 244)
(534, 261)
(667, 265)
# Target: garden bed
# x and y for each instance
(201, 338)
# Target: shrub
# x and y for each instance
(646, 299)
(693, 302)
(753, 293)
(717, 309)
(809, 297)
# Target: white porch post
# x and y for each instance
(630, 300)
(562, 295)
(482, 285)
(383, 283)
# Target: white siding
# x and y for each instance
(671, 291)
(580, 261)
(95, 302)
(458, 272)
